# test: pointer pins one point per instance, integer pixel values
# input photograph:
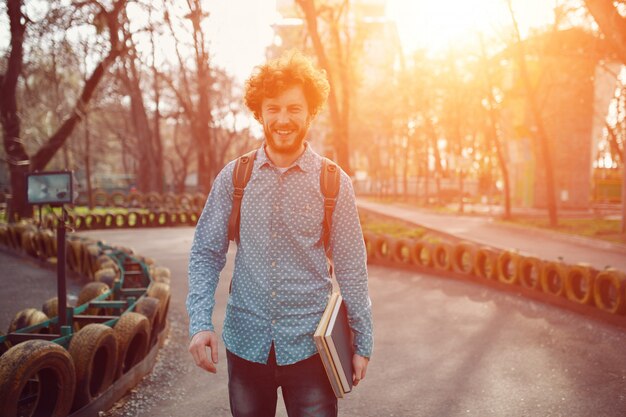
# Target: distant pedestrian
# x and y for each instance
(281, 282)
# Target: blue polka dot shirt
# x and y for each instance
(281, 283)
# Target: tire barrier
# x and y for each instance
(368, 239)
(400, 251)
(464, 257)
(442, 256)
(579, 284)
(530, 272)
(185, 202)
(421, 254)
(68, 368)
(132, 332)
(94, 352)
(608, 291)
(37, 378)
(553, 277)
(508, 267)
(382, 248)
(486, 263)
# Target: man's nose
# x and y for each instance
(283, 117)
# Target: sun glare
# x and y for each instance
(441, 24)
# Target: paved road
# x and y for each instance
(442, 348)
(546, 245)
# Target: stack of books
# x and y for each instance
(334, 341)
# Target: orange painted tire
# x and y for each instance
(134, 200)
(368, 239)
(382, 247)
(442, 256)
(579, 284)
(486, 263)
(118, 199)
(400, 251)
(608, 291)
(422, 254)
(530, 272)
(508, 267)
(464, 257)
(553, 277)
(101, 198)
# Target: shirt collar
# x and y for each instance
(306, 161)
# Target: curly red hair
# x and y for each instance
(277, 75)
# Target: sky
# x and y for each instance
(240, 30)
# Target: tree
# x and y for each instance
(19, 161)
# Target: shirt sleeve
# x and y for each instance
(350, 264)
(208, 252)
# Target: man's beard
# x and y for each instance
(287, 148)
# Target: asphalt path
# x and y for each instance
(442, 348)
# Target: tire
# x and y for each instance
(464, 258)
(107, 276)
(530, 272)
(422, 254)
(486, 263)
(161, 291)
(88, 293)
(51, 307)
(382, 248)
(579, 284)
(26, 318)
(508, 268)
(400, 251)
(4, 346)
(151, 308)
(132, 332)
(160, 274)
(40, 370)
(368, 240)
(553, 278)
(608, 291)
(442, 256)
(94, 352)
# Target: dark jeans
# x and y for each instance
(252, 388)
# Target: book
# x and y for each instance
(333, 339)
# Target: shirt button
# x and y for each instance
(273, 264)
(273, 321)
(275, 235)
(273, 293)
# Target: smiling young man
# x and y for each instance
(281, 282)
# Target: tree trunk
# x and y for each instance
(17, 158)
(539, 134)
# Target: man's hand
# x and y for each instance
(197, 348)
(359, 364)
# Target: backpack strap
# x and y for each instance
(241, 176)
(329, 186)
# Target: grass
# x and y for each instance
(604, 229)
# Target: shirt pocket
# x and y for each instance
(306, 220)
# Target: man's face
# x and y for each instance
(286, 120)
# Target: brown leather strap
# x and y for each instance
(241, 176)
(329, 185)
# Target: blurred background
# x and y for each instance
(499, 106)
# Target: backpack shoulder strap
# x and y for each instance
(329, 186)
(241, 176)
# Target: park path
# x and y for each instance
(442, 348)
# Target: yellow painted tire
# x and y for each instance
(368, 239)
(579, 284)
(608, 291)
(553, 276)
(508, 267)
(442, 256)
(486, 263)
(382, 247)
(400, 251)
(464, 257)
(530, 272)
(422, 254)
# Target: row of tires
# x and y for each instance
(581, 283)
(153, 200)
(42, 377)
(130, 220)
